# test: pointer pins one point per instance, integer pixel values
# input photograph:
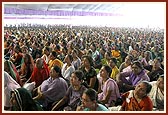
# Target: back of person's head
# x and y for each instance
(54, 54)
(28, 57)
(58, 47)
(92, 94)
(39, 63)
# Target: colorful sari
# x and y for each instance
(13, 71)
(131, 104)
(56, 62)
(27, 68)
(39, 75)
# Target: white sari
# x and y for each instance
(9, 85)
(156, 96)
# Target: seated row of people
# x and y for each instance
(54, 93)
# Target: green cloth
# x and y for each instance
(25, 101)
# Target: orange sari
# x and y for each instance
(131, 104)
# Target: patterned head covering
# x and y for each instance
(24, 100)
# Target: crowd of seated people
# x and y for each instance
(83, 68)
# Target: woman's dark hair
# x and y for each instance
(24, 100)
(130, 57)
(47, 48)
(108, 69)
(92, 94)
(58, 47)
(108, 53)
(58, 70)
(70, 57)
(93, 44)
(137, 63)
(79, 74)
(89, 58)
(18, 48)
(28, 56)
(148, 86)
(114, 60)
(54, 54)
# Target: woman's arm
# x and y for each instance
(92, 82)
(59, 104)
(40, 94)
(99, 88)
(107, 97)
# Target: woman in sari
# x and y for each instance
(10, 68)
(46, 53)
(126, 65)
(54, 61)
(67, 68)
(157, 93)
(113, 64)
(108, 88)
(72, 98)
(53, 89)
(26, 67)
(90, 75)
(40, 72)
(76, 60)
(138, 99)
(9, 85)
(16, 58)
(128, 80)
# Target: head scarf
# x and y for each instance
(24, 100)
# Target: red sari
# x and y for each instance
(39, 75)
